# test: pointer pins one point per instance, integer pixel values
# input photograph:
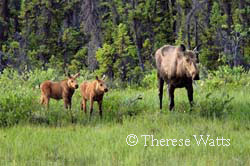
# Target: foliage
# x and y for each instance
(118, 59)
(42, 40)
(215, 106)
(150, 80)
(20, 102)
(15, 104)
(226, 76)
(64, 36)
(220, 112)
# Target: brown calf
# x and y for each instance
(59, 90)
(93, 91)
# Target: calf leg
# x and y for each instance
(83, 106)
(160, 86)
(171, 89)
(100, 108)
(46, 101)
(70, 103)
(91, 106)
(41, 99)
(67, 105)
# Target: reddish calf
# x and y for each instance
(59, 90)
(93, 91)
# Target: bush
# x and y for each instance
(17, 102)
(150, 80)
(214, 106)
(36, 77)
(225, 75)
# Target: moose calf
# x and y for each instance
(59, 90)
(93, 91)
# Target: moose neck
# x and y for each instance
(181, 69)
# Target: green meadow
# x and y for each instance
(32, 135)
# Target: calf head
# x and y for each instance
(72, 82)
(190, 60)
(101, 86)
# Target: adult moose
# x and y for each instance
(59, 90)
(177, 67)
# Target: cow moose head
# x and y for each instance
(190, 60)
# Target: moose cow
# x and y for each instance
(93, 91)
(177, 67)
(59, 90)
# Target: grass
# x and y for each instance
(104, 144)
(31, 135)
(103, 141)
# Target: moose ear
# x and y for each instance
(182, 47)
(197, 48)
(103, 77)
(76, 75)
(96, 77)
(69, 75)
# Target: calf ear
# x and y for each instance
(76, 75)
(182, 47)
(69, 75)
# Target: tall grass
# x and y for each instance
(32, 135)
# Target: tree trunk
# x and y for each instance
(138, 40)
(4, 14)
(196, 31)
(209, 8)
(227, 6)
(91, 21)
(174, 13)
(16, 19)
(116, 17)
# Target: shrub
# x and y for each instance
(17, 102)
(225, 75)
(214, 106)
(150, 80)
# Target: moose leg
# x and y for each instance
(46, 101)
(70, 103)
(70, 106)
(67, 105)
(100, 108)
(91, 106)
(190, 94)
(71, 114)
(160, 86)
(42, 100)
(171, 89)
(83, 106)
